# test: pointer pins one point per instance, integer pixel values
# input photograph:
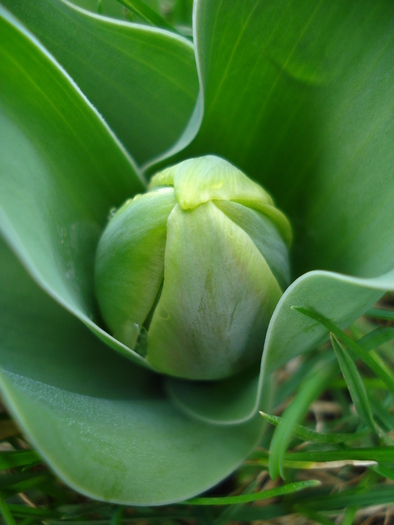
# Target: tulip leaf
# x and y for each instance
(61, 171)
(142, 80)
(129, 264)
(213, 310)
(103, 424)
(336, 297)
(300, 97)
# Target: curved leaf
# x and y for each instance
(61, 171)
(300, 98)
(337, 297)
(103, 424)
(213, 311)
(143, 80)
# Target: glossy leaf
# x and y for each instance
(61, 171)
(300, 98)
(292, 111)
(222, 301)
(103, 424)
(339, 298)
(142, 80)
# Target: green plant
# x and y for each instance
(299, 97)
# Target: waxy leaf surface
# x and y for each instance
(141, 79)
(299, 97)
(103, 424)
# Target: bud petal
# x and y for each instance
(218, 296)
(130, 263)
(190, 273)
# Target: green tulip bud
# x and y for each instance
(189, 273)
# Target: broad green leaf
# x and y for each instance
(300, 97)
(142, 80)
(104, 425)
(61, 171)
(339, 298)
(207, 337)
(229, 401)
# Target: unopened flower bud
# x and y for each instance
(189, 273)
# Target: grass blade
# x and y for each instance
(5, 511)
(312, 387)
(376, 338)
(348, 517)
(307, 434)
(357, 390)
(355, 385)
(18, 459)
(360, 352)
(377, 495)
(378, 454)
(383, 471)
(256, 496)
(379, 313)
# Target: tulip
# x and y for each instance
(297, 95)
(190, 273)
